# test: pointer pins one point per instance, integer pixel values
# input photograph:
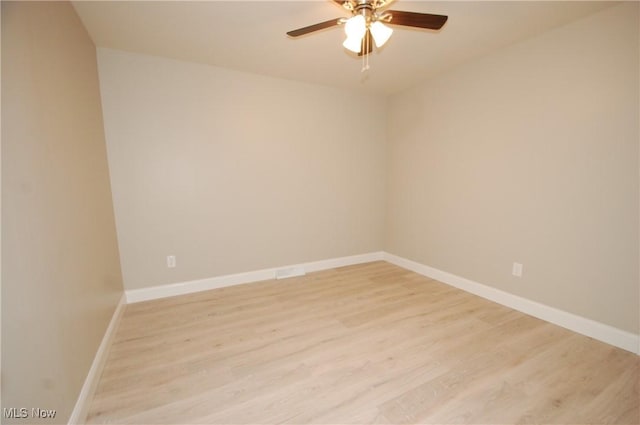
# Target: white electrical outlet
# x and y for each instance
(171, 261)
(517, 270)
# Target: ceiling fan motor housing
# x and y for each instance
(366, 8)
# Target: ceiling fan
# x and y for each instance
(367, 24)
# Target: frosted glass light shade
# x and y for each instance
(355, 27)
(380, 33)
(353, 43)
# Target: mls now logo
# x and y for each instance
(24, 413)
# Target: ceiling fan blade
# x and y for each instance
(316, 27)
(367, 44)
(418, 20)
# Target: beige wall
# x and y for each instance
(528, 155)
(233, 172)
(61, 276)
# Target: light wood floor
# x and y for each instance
(371, 343)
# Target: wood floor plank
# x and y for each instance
(370, 343)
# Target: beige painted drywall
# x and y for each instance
(233, 172)
(61, 277)
(528, 155)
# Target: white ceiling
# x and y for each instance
(250, 36)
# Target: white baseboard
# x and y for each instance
(80, 410)
(605, 333)
(162, 291)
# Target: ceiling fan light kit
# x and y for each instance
(355, 28)
(368, 22)
(380, 32)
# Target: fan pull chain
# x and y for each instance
(365, 56)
